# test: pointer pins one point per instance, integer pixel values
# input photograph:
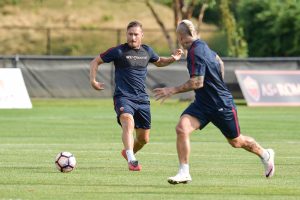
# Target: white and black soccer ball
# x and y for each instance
(65, 162)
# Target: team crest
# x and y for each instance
(252, 88)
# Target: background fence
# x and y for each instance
(76, 41)
(68, 77)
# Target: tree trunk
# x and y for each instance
(190, 9)
(177, 16)
(186, 10)
(200, 17)
(162, 26)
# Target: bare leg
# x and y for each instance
(127, 122)
(248, 144)
(184, 128)
(186, 125)
(127, 130)
(266, 155)
(142, 138)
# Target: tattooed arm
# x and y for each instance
(193, 83)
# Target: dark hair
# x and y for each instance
(134, 24)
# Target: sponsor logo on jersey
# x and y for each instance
(136, 57)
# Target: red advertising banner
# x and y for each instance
(270, 88)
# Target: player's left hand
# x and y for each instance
(163, 93)
(177, 54)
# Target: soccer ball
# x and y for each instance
(65, 162)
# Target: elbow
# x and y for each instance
(221, 62)
(94, 65)
(198, 86)
(159, 64)
(196, 83)
(96, 62)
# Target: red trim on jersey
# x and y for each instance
(115, 103)
(193, 60)
(106, 52)
(236, 121)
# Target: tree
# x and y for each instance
(186, 9)
(161, 24)
(272, 28)
(237, 46)
(183, 9)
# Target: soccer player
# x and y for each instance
(131, 102)
(213, 103)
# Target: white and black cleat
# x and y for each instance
(180, 178)
(269, 164)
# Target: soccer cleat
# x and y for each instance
(134, 166)
(180, 178)
(269, 164)
(123, 153)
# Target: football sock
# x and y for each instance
(184, 168)
(130, 155)
(265, 156)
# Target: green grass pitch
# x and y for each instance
(30, 140)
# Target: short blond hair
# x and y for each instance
(186, 27)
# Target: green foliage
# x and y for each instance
(212, 15)
(237, 46)
(8, 2)
(272, 28)
(107, 18)
(165, 2)
(219, 43)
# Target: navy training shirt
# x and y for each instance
(130, 70)
(201, 61)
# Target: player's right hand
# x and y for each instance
(161, 94)
(97, 85)
(177, 54)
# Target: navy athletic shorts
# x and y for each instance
(139, 110)
(224, 119)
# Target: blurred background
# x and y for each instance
(53, 41)
(236, 28)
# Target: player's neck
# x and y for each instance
(134, 47)
(189, 42)
(137, 47)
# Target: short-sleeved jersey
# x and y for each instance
(201, 61)
(130, 70)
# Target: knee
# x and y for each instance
(126, 120)
(180, 130)
(143, 140)
(235, 143)
(125, 117)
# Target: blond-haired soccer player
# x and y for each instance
(131, 102)
(213, 103)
